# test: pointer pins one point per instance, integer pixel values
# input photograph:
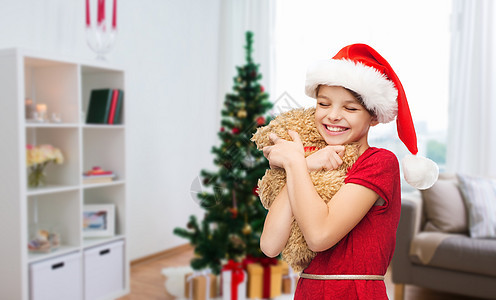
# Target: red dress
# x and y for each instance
(367, 248)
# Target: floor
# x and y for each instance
(147, 282)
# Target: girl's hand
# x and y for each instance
(283, 152)
(328, 158)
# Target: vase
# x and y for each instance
(37, 176)
(100, 39)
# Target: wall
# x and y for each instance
(170, 52)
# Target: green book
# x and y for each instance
(99, 106)
(117, 117)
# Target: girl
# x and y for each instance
(354, 234)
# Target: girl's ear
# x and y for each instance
(374, 121)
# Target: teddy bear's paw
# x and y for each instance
(351, 153)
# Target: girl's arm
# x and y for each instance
(277, 225)
(324, 225)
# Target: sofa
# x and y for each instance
(446, 238)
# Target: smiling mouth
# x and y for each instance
(335, 129)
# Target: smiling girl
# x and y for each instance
(353, 234)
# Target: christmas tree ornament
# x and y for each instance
(255, 190)
(262, 89)
(242, 114)
(249, 161)
(222, 129)
(236, 241)
(260, 121)
(246, 229)
(234, 212)
(235, 130)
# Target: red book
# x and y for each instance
(115, 96)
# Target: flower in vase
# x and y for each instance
(37, 158)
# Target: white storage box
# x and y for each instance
(56, 278)
(104, 270)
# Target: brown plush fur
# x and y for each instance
(327, 183)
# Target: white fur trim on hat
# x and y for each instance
(378, 93)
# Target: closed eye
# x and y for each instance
(351, 108)
(323, 104)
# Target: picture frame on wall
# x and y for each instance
(98, 220)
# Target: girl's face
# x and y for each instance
(340, 118)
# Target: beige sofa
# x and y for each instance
(434, 247)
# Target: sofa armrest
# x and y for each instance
(408, 227)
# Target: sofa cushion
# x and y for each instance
(479, 195)
(462, 253)
(444, 208)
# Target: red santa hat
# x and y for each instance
(360, 68)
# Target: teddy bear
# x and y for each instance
(326, 182)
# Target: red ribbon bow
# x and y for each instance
(237, 276)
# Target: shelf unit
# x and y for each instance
(64, 85)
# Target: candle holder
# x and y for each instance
(100, 39)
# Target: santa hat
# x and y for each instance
(361, 69)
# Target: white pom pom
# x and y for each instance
(420, 172)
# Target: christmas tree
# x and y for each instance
(234, 216)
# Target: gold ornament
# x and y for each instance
(236, 241)
(246, 229)
(242, 114)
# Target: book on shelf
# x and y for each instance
(104, 106)
(118, 108)
(98, 175)
(97, 179)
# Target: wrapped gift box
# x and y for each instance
(262, 285)
(228, 282)
(200, 285)
(289, 279)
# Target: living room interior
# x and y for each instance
(133, 101)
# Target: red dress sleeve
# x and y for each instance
(378, 170)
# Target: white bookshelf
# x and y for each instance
(64, 85)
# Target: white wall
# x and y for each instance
(169, 49)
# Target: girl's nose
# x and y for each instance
(334, 115)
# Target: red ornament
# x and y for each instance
(260, 121)
(234, 212)
(235, 130)
(255, 191)
(262, 89)
(222, 129)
